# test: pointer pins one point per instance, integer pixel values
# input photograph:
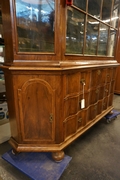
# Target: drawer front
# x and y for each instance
(98, 77)
(71, 106)
(81, 118)
(70, 126)
(92, 112)
(111, 72)
(96, 87)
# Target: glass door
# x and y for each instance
(35, 25)
(92, 26)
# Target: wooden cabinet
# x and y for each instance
(59, 71)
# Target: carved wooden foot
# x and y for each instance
(58, 156)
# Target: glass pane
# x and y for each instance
(80, 4)
(35, 25)
(106, 11)
(91, 36)
(75, 31)
(115, 14)
(111, 43)
(94, 8)
(103, 39)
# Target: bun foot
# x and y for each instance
(58, 156)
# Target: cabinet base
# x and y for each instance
(55, 149)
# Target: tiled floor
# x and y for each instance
(95, 155)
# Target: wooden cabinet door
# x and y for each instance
(36, 105)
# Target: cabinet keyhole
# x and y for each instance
(51, 118)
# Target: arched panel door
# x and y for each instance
(36, 103)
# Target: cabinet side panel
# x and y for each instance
(11, 104)
(7, 15)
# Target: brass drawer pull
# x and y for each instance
(82, 81)
(80, 120)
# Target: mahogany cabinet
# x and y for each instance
(59, 69)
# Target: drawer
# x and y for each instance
(72, 83)
(101, 92)
(110, 99)
(92, 112)
(110, 75)
(105, 103)
(94, 96)
(99, 107)
(107, 89)
(81, 118)
(71, 106)
(98, 77)
(97, 94)
(112, 86)
(70, 126)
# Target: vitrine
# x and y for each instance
(59, 69)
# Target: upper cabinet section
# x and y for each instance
(56, 32)
(92, 27)
(32, 31)
(35, 25)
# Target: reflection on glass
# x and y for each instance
(94, 8)
(91, 36)
(75, 31)
(103, 39)
(111, 43)
(80, 4)
(115, 14)
(106, 11)
(35, 25)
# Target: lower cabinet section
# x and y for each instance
(49, 109)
